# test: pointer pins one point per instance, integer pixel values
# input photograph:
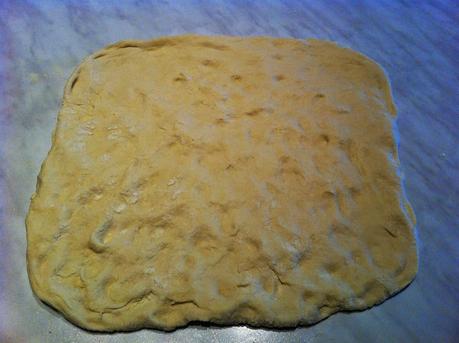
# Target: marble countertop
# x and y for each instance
(415, 41)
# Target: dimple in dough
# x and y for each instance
(220, 179)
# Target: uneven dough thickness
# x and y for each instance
(222, 179)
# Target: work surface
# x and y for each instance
(416, 43)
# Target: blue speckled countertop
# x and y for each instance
(415, 41)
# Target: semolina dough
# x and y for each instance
(220, 179)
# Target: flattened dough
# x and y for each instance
(222, 179)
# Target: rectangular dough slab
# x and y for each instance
(221, 179)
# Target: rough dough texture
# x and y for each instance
(222, 179)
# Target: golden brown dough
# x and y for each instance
(222, 179)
